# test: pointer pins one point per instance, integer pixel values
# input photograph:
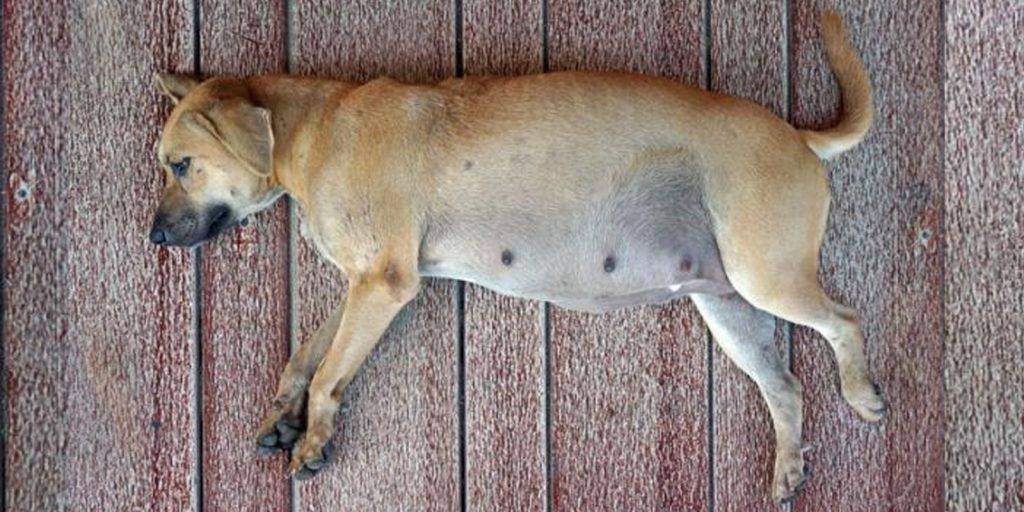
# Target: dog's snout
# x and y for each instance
(165, 229)
(160, 231)
(157, 235)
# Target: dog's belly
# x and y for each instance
(635, 233)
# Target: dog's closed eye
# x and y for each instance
(180, 168)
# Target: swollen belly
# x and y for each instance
(581, 283)
(587, 265)
(586, 239)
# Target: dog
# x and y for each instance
(593, 191)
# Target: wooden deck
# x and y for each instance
(134, 377)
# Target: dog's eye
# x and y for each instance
(180, 168)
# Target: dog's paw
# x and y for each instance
(309, 457)
(791, 473)
(867, 402)
(281, 428)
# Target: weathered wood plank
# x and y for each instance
(96, 322)
(882, 256)
(245, 300)
(505, 38)
(984, 406)
(629, 389)
(397, 442)
(506, 455)
(748, 51)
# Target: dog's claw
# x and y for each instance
(268, 441)
(287, 434)
(315, 464)
(281, 428)
(303, 467)
(266, 451)
(304, 474)
(790, 476)
(867, 402)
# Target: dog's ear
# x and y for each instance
(245, 131)
(174, 86)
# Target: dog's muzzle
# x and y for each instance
(189, 228)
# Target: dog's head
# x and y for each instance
(217, 152)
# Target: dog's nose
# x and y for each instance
(157, 236)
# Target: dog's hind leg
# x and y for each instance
(799, 299)
(746, 335)
(769, 232)
(286, 419)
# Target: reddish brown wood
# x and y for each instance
(245, 303)
(985, 256)
(882, 257)
(96, 321)
(656, 38)
(506, 456)
(748, 49)
(502, 38)
(397, 442)
(629, 389)
(97, 324)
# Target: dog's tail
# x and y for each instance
(858, 107)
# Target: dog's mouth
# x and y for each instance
(221, 218)
(191, 230)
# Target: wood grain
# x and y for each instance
(98, 326)
(630, 389)
(96, 322)
(984, 406)
(502, 38)
(748, 59)
(882, 256)
(505, 429)
(397, 443)
(245, 301)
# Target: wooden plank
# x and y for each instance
(629, 389)
(984, 408)
(506, 453)
(245, 297)
(397, 443)
(748, 51)
(97, 322)
(502, 38)
(882, 256)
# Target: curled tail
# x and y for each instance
(858, 107)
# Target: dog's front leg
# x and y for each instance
(287, 416)
(373, 301)
(746, 335)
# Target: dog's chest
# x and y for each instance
(315, 237)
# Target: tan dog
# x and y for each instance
(590, 190)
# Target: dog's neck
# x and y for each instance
(293, 102)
